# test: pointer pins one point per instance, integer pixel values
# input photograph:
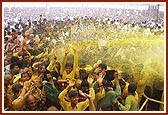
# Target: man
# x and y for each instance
(74, 104)
(110, 95)
(68, 69)
(131, 101)
(140, 78)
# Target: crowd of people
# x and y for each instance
(49, 65)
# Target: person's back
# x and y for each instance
(110, 98)
(131, 101)
(106, 102)
(134, 102)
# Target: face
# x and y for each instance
(9, 53)
(57, 66)
(25, 77)
(6, 62)
(30, 71)
(74, 100)
(32, 103)
(116, 74)
(37, 82)
(16, 70)
(27, 58)
(85, 90)
(18, 49)
(68, 70)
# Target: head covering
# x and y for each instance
(51, 93)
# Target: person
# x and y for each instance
(124, 89)
(140, 78)
(91, 102)
(24, 77)
(107, 103)
(73, 104)
(68, 69)
(30, 98)
(131, 101)
(78, 22)
(16, 89)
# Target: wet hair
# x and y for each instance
(103, 66)
(14, 59)
(81, 71)
(73, 93)
(13, 65)
(55, 74)
(59, 65)
(16, 88)
(132, 87)
(69, 65)
(125, 75)
(109, 75)
(107, 83)
(84, 83)
(84, 76)
(23, 74)
(24, 54)
(122, 82)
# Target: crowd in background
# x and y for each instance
(49, 65)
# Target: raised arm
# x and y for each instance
(67, 50)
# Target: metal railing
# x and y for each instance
(149, 99)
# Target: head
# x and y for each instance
(74, 97)
(107, 85)
(7, 80)
(31, 103)
(102, 67)
(16, 88)
(57, 65)
(25, 76)
(139, 67)
(85, 86)
(14, 68)
(68, 68)
(82, 64)
(25, 57)
(37, 82)
(122, 83)
(109, 75)
(17, 48)
(14, 59)
(9, 53)
(132, 87)
(125, 76)
(30, 71)
(83, 74)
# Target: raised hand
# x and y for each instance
(27, 85)
(74, 47)
(49, 76)
(56, 54)
(84, 94)
(67, 49)
(100, 80)
(72, 82)
(90, 79)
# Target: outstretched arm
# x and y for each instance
(67, 50)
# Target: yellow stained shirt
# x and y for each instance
(75, 66)
(125, 91)
(16, 102)
(99, 95)
(131, 103)
(87, 68)
(81, 106)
